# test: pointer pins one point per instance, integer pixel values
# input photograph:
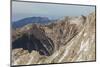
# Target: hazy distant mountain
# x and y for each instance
(28, 20)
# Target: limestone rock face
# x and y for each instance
(70, 39)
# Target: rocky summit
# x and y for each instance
(69, 39)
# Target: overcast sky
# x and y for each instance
(22, 10)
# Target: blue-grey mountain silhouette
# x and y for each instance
(25, 21)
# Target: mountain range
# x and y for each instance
(25, 21)
(69, 39)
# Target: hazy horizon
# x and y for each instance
(22, 10)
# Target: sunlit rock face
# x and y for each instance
(70, 39)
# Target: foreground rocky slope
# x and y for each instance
(70, 39)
